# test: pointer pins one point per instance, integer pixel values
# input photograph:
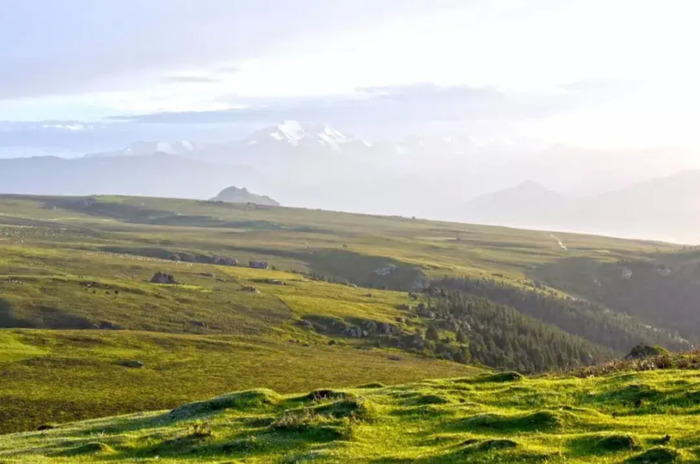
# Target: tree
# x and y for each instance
(432, 333)
(461, 338)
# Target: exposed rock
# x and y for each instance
(259, 264)
(225, 261)
(387, 329)
(133, 363)
(251, 289)
(163, 278)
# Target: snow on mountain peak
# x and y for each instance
(296, 133)
(171, 148)
(292, 131)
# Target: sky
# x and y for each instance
(613, 73)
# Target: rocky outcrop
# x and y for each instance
(259, 264)
(242, 195)
(163, 278)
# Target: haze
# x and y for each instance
(430, 104)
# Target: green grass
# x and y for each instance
(76, 304)
(503, 419)
(58, 376)
(206, 328)
(344, 245)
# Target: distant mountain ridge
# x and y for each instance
(317, 166)
(663, 208)
(157, 174)
(296, 134)
(145, 148)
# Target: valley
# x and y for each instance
(389, 299)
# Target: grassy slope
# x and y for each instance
(297, 238)
(55, 273)
(497, 418)
(198, 339)
(58, 376)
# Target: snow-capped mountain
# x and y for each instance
(303, 135)
(170, 148)
(144, 148)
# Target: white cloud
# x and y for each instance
(178, 56)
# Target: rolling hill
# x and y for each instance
(625, 417)
(389, 299)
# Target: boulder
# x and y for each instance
(163, 278)
(259, 264)
(225, 261)
(132, 363)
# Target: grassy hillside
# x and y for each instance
(663, 288)
(344, 303)
(629, 416)
(207, 335)
(298, 239)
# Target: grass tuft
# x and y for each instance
(496, 378)
(658, 455)
(245, 400)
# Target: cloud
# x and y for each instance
(381, 111)
(227, 69)
(185, 79)
(77, 46)
(423, 102)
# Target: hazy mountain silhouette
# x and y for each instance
(664, 208)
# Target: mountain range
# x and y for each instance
(143, 148)
(317, 166)
(156, 174)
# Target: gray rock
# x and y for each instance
(163, 278)
(133, 363)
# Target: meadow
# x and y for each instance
(85, 334)
(630, 417)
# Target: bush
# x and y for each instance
(645, 351)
